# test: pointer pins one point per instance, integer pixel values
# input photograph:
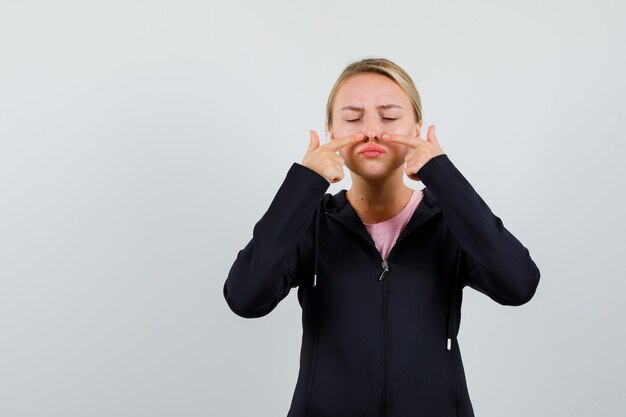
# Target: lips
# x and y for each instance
(372, 148)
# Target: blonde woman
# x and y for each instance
(380, 268)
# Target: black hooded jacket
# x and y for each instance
(379, 336)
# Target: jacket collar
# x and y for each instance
(338, 207)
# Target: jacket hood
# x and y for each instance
(338, 205)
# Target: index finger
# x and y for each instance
(410, 141)
(337, 144)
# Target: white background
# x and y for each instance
(140, 141)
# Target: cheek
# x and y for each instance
(343, 130)
(398, 149)
(403, 129)
(347, 151)
(400, 152)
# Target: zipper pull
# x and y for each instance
(385, 266)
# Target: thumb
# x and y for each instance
(314, 143)
(430, 136)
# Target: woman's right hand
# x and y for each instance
(324, 159)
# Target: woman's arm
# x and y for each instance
(272, 261)
(496, 263)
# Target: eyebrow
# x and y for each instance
(382, 106)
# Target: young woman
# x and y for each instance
(380, 268)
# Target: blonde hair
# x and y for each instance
(379, 66)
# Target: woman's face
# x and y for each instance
(372, 104)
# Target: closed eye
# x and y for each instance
(384, 118)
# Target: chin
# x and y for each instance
(371, 169)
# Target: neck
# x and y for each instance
(379, 199)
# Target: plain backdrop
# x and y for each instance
(140, 141)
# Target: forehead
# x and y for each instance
(370, 89)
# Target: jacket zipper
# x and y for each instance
(385, 266)
(388, 389)
(386, 339)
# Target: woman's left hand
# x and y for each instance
(421, 150)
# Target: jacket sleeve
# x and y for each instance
(495, 262)
(271, 263)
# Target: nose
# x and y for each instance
(372, 130)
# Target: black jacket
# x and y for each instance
(379, 336)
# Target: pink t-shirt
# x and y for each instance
(386, 233)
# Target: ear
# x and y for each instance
(418, 128)
(330, 131)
